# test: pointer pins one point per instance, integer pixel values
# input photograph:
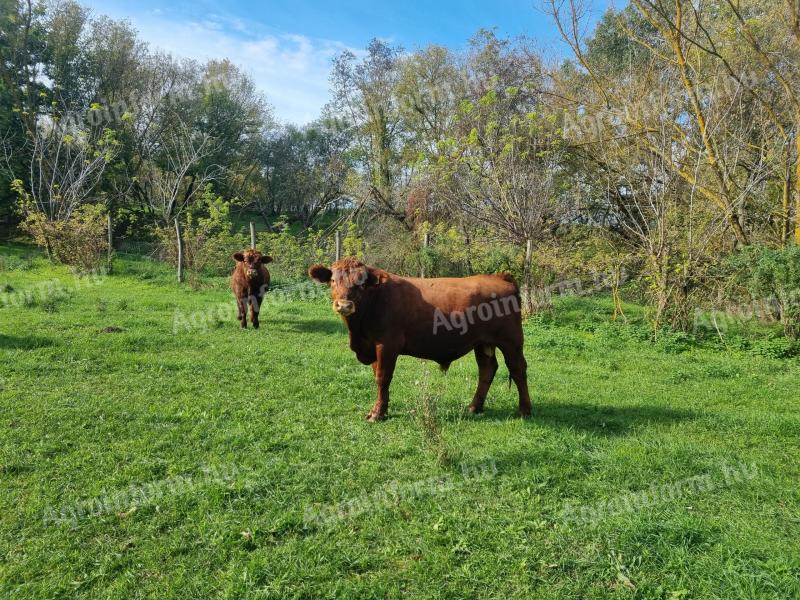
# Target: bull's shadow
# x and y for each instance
(323, 326)
(598, 419)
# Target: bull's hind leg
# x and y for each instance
(487, 368)
(518, 368)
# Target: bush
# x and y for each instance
(294, 253)
(208, 238)
(773, 274)
(449, 254)
(81, 241)
(775, 348)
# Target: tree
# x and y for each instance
(364, 95)
(22, 45)
(171, 178)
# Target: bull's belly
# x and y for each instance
(440, 358)
(444, 350)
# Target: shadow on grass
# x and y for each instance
(307, 325)
(13, 342)
(597, 419)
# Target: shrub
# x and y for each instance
(774, 274)
(208, 237)
(353, 244)
(775, 348)
(80, 241)
(294, 253)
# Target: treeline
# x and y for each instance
(664, 155)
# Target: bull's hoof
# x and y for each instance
(255, 325)
(375, 417)
(524, 414)
(474, 410)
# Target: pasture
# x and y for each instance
(147, 454)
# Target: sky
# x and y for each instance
(287, 45)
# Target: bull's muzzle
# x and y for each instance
(344, 307)
(252, 273)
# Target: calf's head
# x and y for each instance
(251, 260)
(351, 283)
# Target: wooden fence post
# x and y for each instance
(180, 250)
(527, 275)
(338, 245)
(426, 241)
(110, 243)
(252, 235)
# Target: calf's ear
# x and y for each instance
(320, 274)
(265, 260)
(238, 257)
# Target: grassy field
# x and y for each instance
(140, 461)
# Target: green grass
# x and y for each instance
(235, 435)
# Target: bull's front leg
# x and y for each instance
(383, 368)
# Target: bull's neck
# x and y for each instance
(356, 323)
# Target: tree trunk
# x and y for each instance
(786, 200)
(797, 184)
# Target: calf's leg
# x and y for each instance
(487, 368)
(255, 308)
(518, 368)
(383, 368)
(241, 304)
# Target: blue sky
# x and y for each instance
(287, 46)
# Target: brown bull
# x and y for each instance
(435, 319)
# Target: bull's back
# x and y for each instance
(445, 318)
(454, 294)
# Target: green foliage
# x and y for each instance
(209, 240)
(353, 244)
(451, 253)
(294, 253)
(769, 273)
(80, 241)
(776, 348)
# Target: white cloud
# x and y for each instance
(291, 70)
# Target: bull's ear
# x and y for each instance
(320, 274)
(238, 257)
(265, 260)
(376, 276)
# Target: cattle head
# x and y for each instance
(251, 261)
(351, 281)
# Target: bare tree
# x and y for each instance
(699, 134)
(171, 179)
(64, 169)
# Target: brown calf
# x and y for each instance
(249, 282)
(435, 319)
